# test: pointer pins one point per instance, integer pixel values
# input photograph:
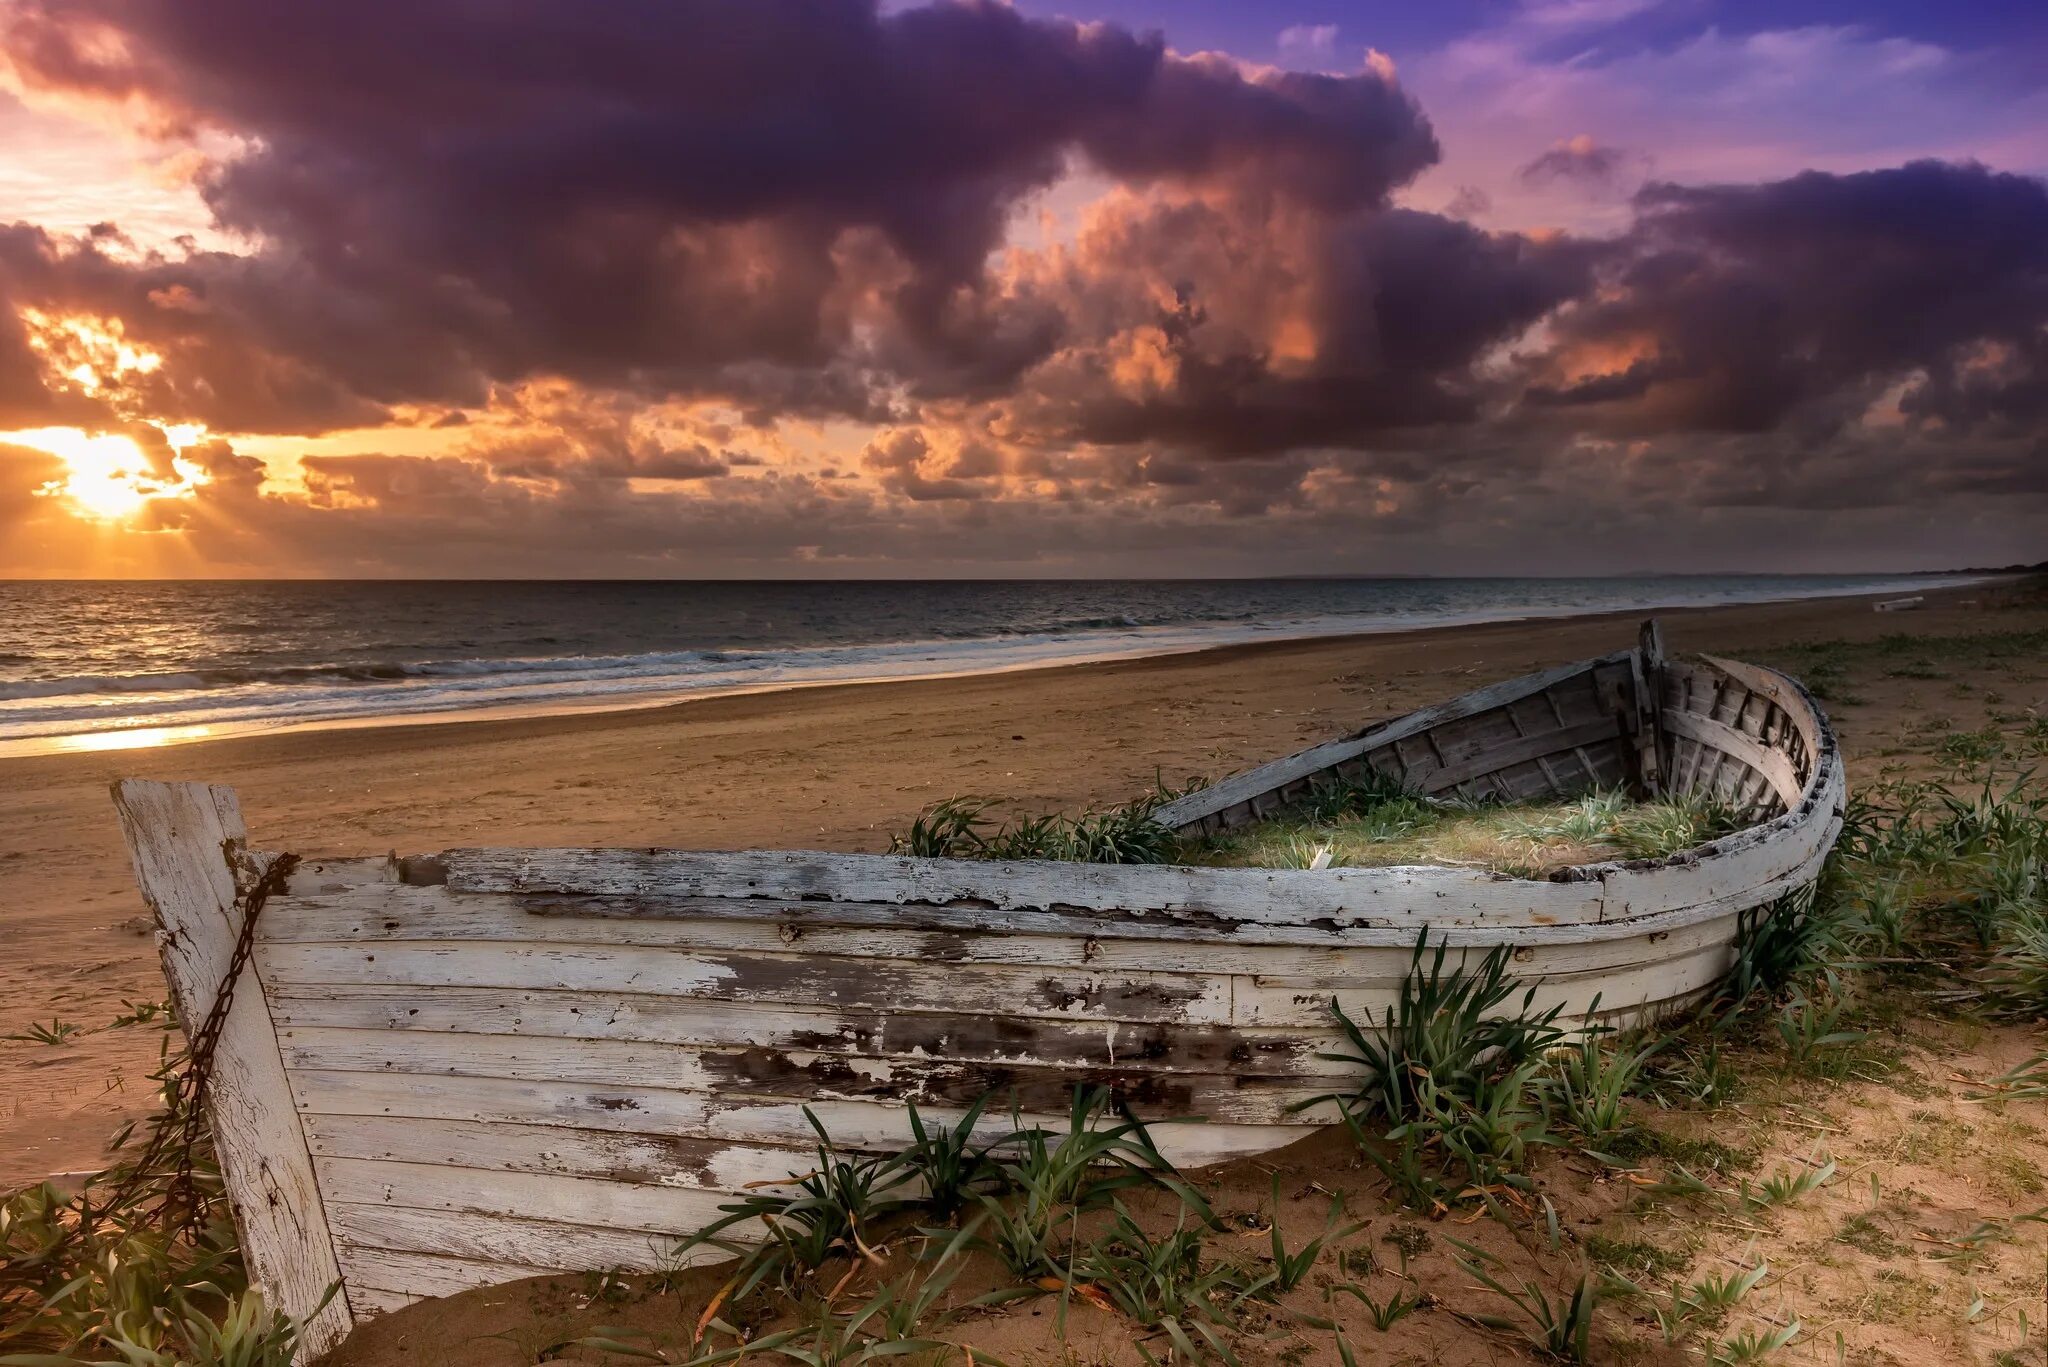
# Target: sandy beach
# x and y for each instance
(833, 768)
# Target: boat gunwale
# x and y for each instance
(1330, 907)
(1338, 929)
(461, 865)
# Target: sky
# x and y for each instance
(824, 288)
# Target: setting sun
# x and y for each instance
(108, 477)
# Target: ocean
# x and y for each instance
(101, 665)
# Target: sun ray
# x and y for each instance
(107, 476)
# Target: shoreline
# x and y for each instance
(832, 767)
(113, 740)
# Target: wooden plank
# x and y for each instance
(1551, 783)
(1650, 738)
(1102, 937)
(852, 1124)
(1652, 983)
(1766, 872)
(644, 1206)
(1084, 1051)
(184, 839)
(381, 1280)
(1621, 973)
(501, 1248)
(1772, 765)
(1501, 755)
(1726, 704)
(1087, 1050)
(1529, 781)
(1437, 894)
(1166, 999)
(1472, 738)
(1255, 784)
(386, 1247)
(1267, 777)
(368, 1302)
(1551, 700)
(335, 873)
(1517, 912)
(799, 1075)
(793, 979)
(651, 1018)
(1799, 706)
(1700, 687)
(1684, 756)
(667, 1159)
(1756, 712)
(629, 1110)
(935, 935)
(435, 915)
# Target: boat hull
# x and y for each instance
(476, 1066)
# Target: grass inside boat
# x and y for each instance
(1345, 824)
(1527, 840)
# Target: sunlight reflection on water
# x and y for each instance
(141, 738)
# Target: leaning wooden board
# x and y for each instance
(453, 1070)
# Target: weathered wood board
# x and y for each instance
(465, 1068)
(188, 846)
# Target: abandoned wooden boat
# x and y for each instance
(458, 1069)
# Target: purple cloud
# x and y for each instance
(1583, 161)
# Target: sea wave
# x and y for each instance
(375, 672)
(328, 674)
(303, 692)
(376, 685)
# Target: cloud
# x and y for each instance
(1308, 47)
(663, 288)
(1222, 327)
(1712, 101)
(23, 472)
(449, 197)
(24, 401)
(1748, 308)
(1591, 164)
(1470, 202)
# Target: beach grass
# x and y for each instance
(140, 1264)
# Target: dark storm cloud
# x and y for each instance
(1752, 307)
(1268, 333)
(644, 192)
